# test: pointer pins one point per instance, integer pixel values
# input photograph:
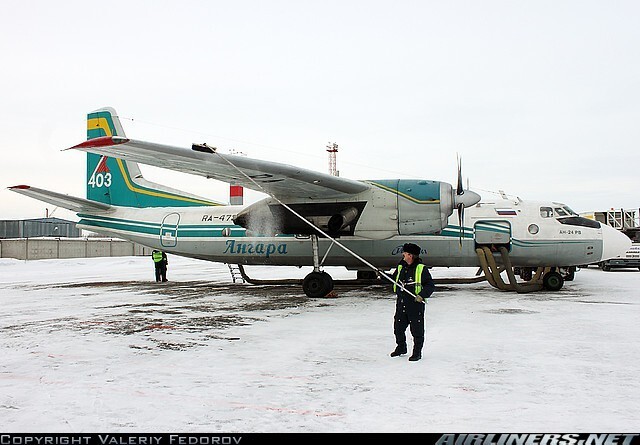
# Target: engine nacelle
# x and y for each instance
(341, 220)
(268, 217)
(388, 208)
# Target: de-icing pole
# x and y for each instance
(380, 273)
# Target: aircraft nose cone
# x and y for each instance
(614, 242)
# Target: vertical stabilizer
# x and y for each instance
(117, 182)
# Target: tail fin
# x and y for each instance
(118, 182)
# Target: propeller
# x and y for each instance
(463, 198)
(460, 206)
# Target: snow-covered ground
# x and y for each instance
(96, 345)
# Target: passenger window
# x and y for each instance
(546, 212)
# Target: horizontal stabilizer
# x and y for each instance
(72, 203)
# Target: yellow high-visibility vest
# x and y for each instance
(417, 278)
(157, 256)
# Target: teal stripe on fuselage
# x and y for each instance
(455, 231)
(542, 243)
(124, 226)
(215, 230)
(149, 228)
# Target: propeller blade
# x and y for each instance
(460, 189)
(463, 198)
(461, 223)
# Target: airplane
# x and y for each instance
(307, 213)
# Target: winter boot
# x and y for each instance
(417, 352)
(398, 351)
(418, 342)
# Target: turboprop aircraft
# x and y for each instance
(316, 219)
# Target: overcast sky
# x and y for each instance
(541, 99)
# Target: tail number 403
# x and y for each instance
(100, 180)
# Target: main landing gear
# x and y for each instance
(546, 278)
(317, 283)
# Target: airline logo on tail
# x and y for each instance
(101, 176)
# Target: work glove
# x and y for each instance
(419, 299)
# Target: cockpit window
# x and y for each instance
(579, 221)
(561, 212)
(569, 211)
(546, 212)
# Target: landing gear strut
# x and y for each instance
(318, 283)
(544, 277)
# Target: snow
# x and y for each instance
(96, 345)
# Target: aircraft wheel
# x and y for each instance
(606, 267)
(317, 284)
(552, 281)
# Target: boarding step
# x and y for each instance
(236, 275)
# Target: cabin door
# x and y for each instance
(493, 232)
(169, 230)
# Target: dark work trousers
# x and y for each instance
(409, 314)
(161, 271)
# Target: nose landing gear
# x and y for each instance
(544, 277)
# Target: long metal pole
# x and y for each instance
(306, 221)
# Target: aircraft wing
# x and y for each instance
(72, 203)
(280, 180)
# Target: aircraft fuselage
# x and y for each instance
(209, 233)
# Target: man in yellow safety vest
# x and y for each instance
(160, 262)
(412, 275)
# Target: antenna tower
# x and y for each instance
(332, 149)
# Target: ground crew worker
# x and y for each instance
(160, 262)
(415, 277)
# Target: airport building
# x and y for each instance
(51, 238)
(38, 227)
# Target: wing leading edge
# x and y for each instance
(280, 180)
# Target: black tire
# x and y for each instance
(606, 267)
(552, 281)
(317, 284)
(570, 276)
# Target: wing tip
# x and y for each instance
(103, 141)
(19, 187)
